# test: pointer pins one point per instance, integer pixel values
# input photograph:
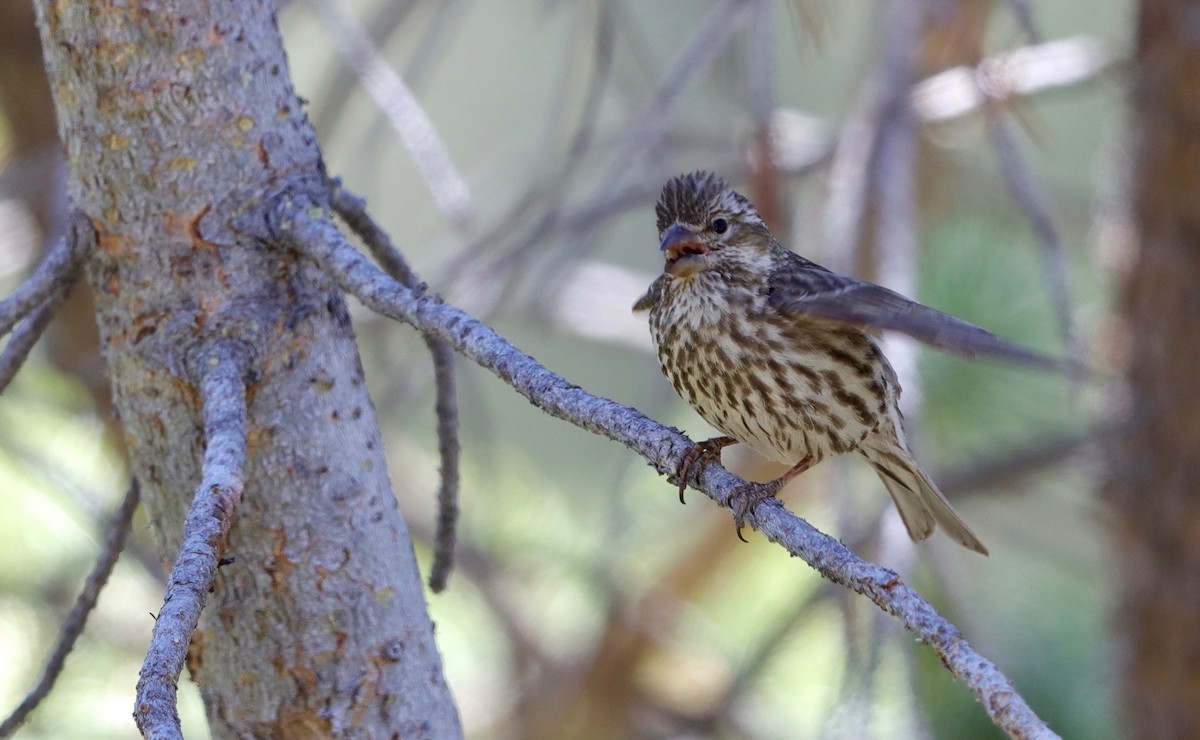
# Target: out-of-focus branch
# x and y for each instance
(30, 330)
(114, 542)
(714, 35)
(1032, 199)
(291, 223)
(384, 22)
(221, 368)
(353, 210)
(1022, 72)
(401, 108)
(1024, 15)
(59, 267)
(544, 204)
(1003, 468)
(958, 92)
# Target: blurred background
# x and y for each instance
(970, 154)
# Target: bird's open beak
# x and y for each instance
(686, 255)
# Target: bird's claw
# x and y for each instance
(699, 454)
(747, 496)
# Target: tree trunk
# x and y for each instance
(175, 125)
(1155, 485)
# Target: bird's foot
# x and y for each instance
(749, 495)
(696, 457)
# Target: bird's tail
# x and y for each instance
(921, 505)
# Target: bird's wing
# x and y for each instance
(652, 296)
(803, 289)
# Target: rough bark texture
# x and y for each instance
(177, 119)
(1156, 466)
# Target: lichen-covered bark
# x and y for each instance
(178, 119)
(1155, 487)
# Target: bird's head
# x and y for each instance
(703, 224)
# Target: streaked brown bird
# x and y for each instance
(775, 351)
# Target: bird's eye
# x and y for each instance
(719, 226)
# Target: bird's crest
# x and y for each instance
(694, 197)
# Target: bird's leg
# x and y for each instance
(699, 454)
(746, 497)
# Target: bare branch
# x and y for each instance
(714, 35)
(223, 401)
(662, 447)
(1000, 470)
(31, 329)
(353, 210)
(1024, 17)
(401, 107)
(114, 542)
(859, 159)
(58, 267)
(1024, 189)
(761, 655)
(380, 26)
(550, 196)
(1023, 72)
(448, 450)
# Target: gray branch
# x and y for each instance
(662, 447)
(401, 107)
(60, 265)
(32, 328)
(1024, 188)
(223, 397)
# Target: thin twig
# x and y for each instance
(380, 27)
(661, 446)
(353, 210)
(1000, 470)
(71, 492)
(1024, 189)
(31, 329)
(648, 128)
(1023, 14)
(223, 397)
(652, 123)
(766, 650)
(114, 542)
(449, 450)
(432, 43)
(885, 120)
(543, 204)
(59, 264)
(1020, 73)
(401, 108)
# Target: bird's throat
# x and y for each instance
(686, 265)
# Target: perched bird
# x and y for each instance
(775, 351)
